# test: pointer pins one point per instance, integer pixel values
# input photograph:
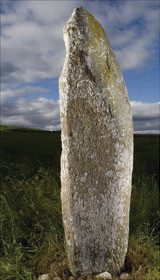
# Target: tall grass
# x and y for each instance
(31, 227)
(143, 256)
(32, 238)
(144, 212)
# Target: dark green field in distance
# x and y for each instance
(23, 151)
(37, 148)
(146, 155)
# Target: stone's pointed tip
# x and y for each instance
(78, 9)
(78, 12)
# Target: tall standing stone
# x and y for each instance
(97, 150)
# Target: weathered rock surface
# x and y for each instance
(43, 277)
(71, 278)
(97, 150)
(103, 276)
(125, 276)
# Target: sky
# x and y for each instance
(33, 52)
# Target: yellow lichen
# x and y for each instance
(96, 43)
(107, 70)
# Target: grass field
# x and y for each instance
(32, 238)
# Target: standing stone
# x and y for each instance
(97, 150)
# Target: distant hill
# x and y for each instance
(26, 129)
(7, 128)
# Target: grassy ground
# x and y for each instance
(31, 228)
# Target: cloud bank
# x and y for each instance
(146, 117)
(32, 43)
(44, 114)
(32, 49)
(25, 90)
(40, 113)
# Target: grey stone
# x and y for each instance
(97, 150)
(43, 277)
(103, 276)
(71, 278)
(125, 276)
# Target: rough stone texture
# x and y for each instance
(71, 278)
(43, 277)
(125, 276)
(103, 276)
(97, 150)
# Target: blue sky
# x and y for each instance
(32, 52)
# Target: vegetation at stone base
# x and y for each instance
(31, 226)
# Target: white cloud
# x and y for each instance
(39, 113)
(145, 110)
(44, 114)
(133, 29)
(134, 55)
(32, 40)
(32, 49)
(32, 43)
(16, 92)
(146, 117)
